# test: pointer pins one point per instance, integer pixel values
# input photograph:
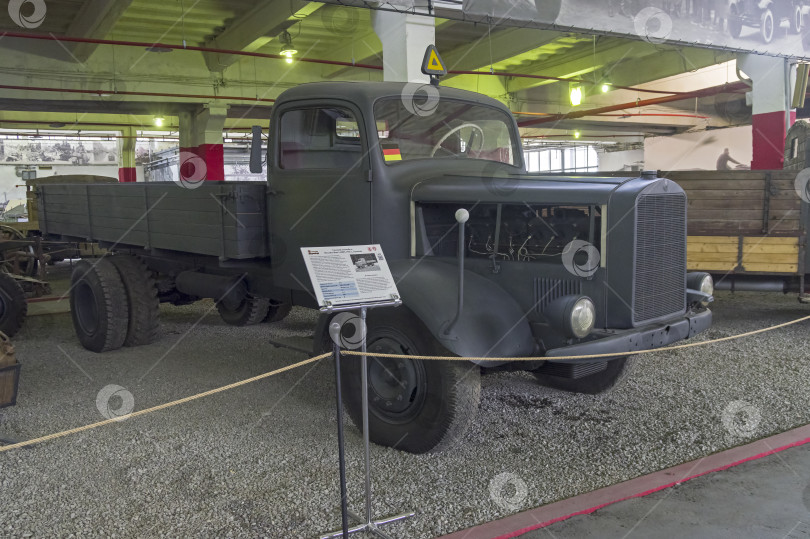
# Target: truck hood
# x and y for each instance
(522, 188)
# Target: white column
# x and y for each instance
(404, 38)
(773, 81)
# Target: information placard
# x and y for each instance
(348, 275)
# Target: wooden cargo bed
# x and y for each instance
(744, 222)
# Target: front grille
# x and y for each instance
(547, 290)
(659, 286)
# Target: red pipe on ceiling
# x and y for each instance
(705, 92)
(102, 93)
(170, 46)
(69, 124)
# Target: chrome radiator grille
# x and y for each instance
(659, 284)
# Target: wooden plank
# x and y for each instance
(769, 258)
(699, 227)
(741, 215)
(712, 257)
(713, 239)
(715, 175)
(723, 194)
(728, 248)
(772, 268)
(710, 266)
(703, 203)
(770, 240)
(727, 185)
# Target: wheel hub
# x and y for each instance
(395, 384)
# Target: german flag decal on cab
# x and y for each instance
(392, 154)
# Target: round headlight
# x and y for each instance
(583, 317)
(707, 285)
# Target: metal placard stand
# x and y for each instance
(367, 524)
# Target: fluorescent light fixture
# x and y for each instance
(576, 96)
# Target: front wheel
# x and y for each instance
(614, 373)
(767, 26)
(735, 25)
(415, 405)
(796, 20)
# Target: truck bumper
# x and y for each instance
(643, 338)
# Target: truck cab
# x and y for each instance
(547, 266)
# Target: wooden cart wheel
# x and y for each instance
(28, 264)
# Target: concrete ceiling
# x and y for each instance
(95, 80)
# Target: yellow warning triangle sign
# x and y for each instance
(433, 64)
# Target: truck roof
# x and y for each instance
(364, 94)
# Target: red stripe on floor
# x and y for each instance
(590, 502)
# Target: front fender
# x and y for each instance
(492, 323)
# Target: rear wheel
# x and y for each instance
(767, 26)
(613, 374)
(144, 306)
(251, 311)
(99, 305)
(13, 306)
(734, 24)
(415, 405)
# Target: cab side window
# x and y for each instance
(319, 138)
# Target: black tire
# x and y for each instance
(767, 26)
(98, 305)
(277, 312)
(251, 311)
(13, 306)
(142, 296)
(614, 375)
(414, 405)
(735, 25)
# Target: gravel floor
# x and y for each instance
(261, 460)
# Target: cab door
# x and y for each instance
(319, 185)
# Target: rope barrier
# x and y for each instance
(589, 356)
(163, 406)
(355, 353)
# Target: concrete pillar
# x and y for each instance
(404, 39)
(126, 160)
(774, 79)
(202, 155)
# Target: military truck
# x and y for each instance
(765, 14)
(552, 266)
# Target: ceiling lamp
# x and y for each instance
(576, 96)
(159, 121)
(287, 49)
(577, 134)
(605, 88)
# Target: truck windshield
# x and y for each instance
(446, 129)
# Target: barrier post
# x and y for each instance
(334, 332)
(369, 524)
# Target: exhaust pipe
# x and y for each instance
(231, 291)
(742, 284)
